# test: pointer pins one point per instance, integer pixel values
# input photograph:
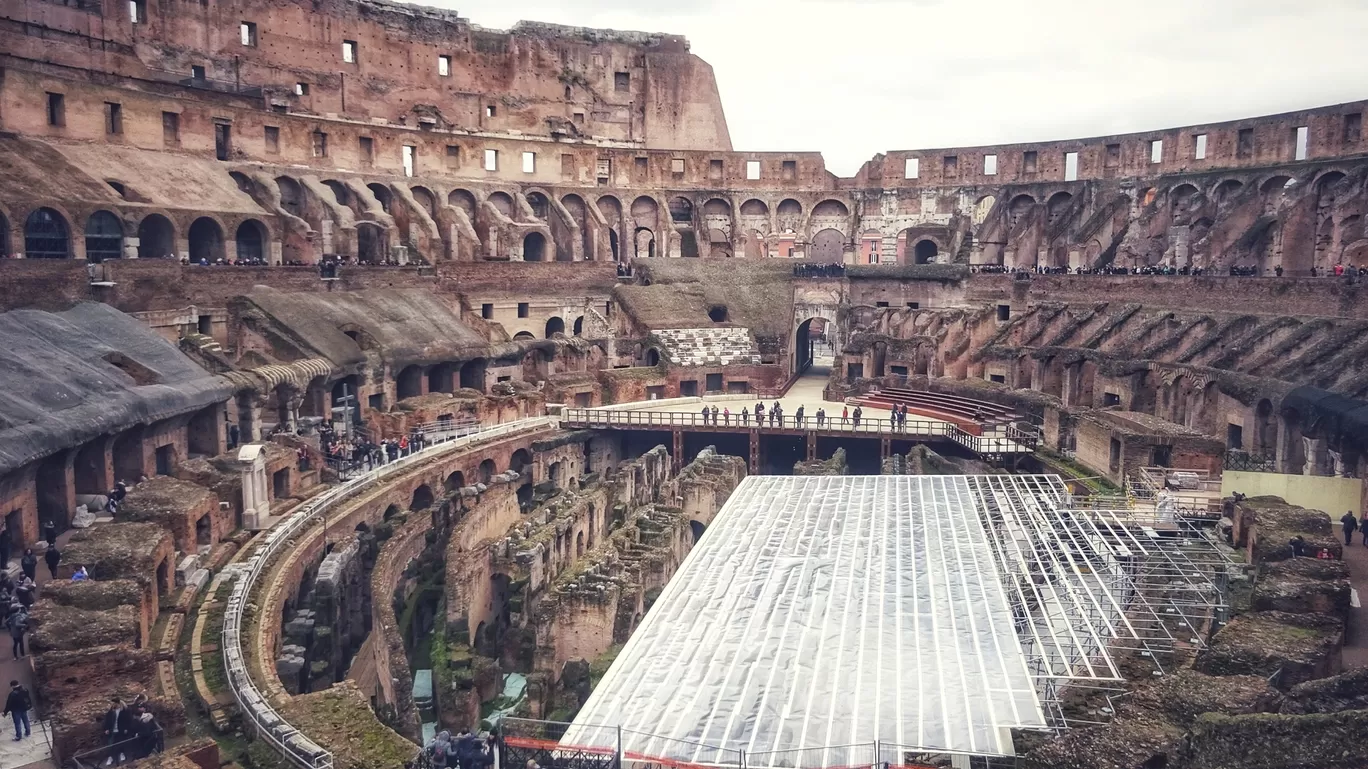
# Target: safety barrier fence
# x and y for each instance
(268, 723)
(1010, 440)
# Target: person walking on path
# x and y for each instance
(18, 626)
(17, 706)
(53, 556)
(1350, 525)
(29, 564)
(50, 532)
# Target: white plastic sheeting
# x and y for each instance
(822, 612)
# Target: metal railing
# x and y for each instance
(137, 747)
(270, 724)
(1008, 440)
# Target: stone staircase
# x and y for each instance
(709, 346)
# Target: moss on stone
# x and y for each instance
(341, 720)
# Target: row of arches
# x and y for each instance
(47, 235)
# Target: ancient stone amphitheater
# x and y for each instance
(423, 350)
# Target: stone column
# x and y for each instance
(256, 498)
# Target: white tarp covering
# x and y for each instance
(819, 612)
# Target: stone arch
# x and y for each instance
(1326, 182)
(519, 461)
(717, 207)
(251, 240)
(454, 482)
(540, 206)
(1277, 184)
(827, 247)
(554, 325)
(754, 207)
(1057, 206)
(156, 237)
(578, 327)
(206, 240)
(830, 207)
(424, 198)
(652, 357)
(46, 235)
(521, 335)
(473, 374)
(291, 195)
(925, 251)
(103, 237)
(697, 527)
(241, 180)
(982, 207)
(789, 215)
(422, 498)
(502, 202)
(1224, 192)
(579, 544)
(464, 200)
(681, 210)
(1018, 209)
(390, 513)
(644, 242)
(755, 245)
(383, 196)
(486, 471)
(340, 192)
(534, 247)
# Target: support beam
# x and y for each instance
(754, 452)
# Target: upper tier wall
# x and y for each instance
(382, 61)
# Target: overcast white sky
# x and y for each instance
(852, 78)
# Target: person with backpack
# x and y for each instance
(53, 556)
(17, 706)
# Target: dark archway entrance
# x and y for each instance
(206, 240)
(46, 235)
(251, 243)
(554, 326)
(534, 247)
(697, 527)
(156, 238)
(473, 374)
(925, 252)
(369, 240)
(802, 347)
(422, 498)
(409, 383)
(103, 237)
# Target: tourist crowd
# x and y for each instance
(1338, 271)
(348, 454)
(464, 751)
(818, 270)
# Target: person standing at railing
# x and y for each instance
(845, 415)
(821, 417)
(705, 414)
(714, 415)
(798, 418)
(726, 416)
(759, 415)
(745, 415)
(857, 414)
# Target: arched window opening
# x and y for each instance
(46, 236)
(103, 237)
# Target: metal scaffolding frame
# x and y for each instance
(1088, 586)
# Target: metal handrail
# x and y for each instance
(1014, 440)
(289, 741)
